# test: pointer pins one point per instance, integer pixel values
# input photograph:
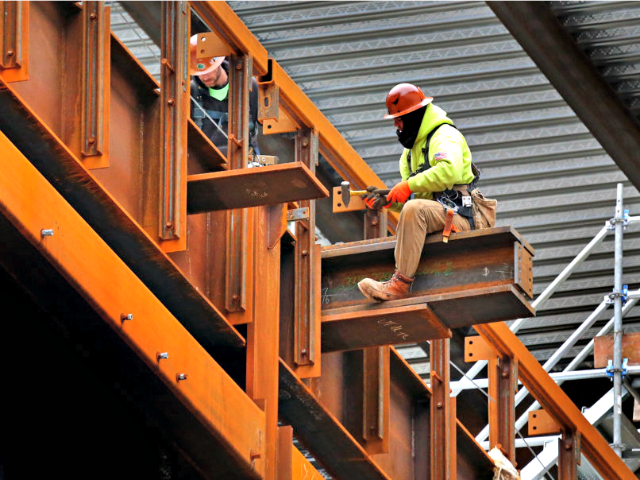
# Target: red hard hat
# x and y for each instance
(199, 64)
(405, 98)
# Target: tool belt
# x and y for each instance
(469, 202)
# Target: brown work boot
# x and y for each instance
(393, 289)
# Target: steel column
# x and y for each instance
(503, 380)
(568, 455)
(375, 399)
(240, 68)
(442, 433)
(95, 22)
(174, 107)
(307, 288)
(11, 46)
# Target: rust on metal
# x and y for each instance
(174, 101)
(442, 429)
(603, 349)
(117, 227)
(553, 399)
(14, 41)
(82, 260)
(503, 381)
(568, 455)
(541, 423)
(204, 156)
(252, 187)
(375, 399)
(384, 326)
(307, 288)
(95, 82)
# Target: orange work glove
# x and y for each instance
(399, 193)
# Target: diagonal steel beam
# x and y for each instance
(568, 69)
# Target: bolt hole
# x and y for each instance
(471, 354)
(535, 416)
(535, 428)
(268, 126)
(470, 342)
(339, 204)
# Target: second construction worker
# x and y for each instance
(439, 186)
(210, 88)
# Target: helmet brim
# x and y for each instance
(424, 102)
(209, 69)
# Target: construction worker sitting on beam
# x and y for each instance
(438, 191)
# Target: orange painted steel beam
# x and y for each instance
(83, 258)
(252, 187)
(263, 330)
(122, 233)
(292, 465)
(553, 399)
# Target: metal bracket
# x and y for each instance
(610, 371)
(611, 224)
(298, 214)
(611, 297)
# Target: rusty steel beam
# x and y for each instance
(576, 78)
(332, 145)
(43, 231)
(376, 396)
(320, 432)
(568, 455)
(14, 41)
(252, 187)
(123, 234)
(503, 381)
(306, 292)
(263, 330)
(553, 399)
(476, 278)
(96, 81)
(238, 288)
(442, 434)
(174, 108)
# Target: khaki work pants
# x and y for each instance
(417, 219)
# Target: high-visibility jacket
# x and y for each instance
(449, 157)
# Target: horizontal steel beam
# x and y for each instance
(478, 277)
(252, 187)
(119, 230)
(212, 420)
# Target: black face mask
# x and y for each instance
(411, 123)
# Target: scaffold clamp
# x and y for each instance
(610, 371)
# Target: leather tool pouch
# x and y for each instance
(484, 210)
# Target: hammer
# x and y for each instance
(347, 193)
